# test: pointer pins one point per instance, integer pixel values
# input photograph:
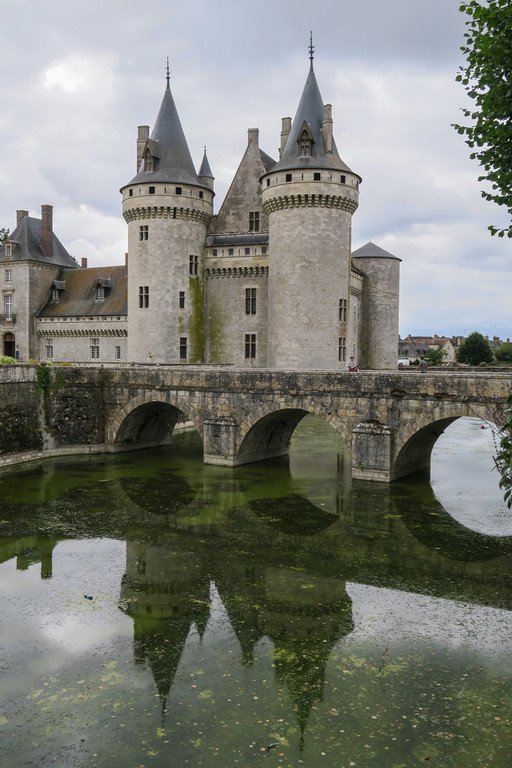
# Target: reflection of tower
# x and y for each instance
(302, 613)
(164, 591)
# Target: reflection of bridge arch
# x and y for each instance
(148, 420)
(266, 432)
(415, 440)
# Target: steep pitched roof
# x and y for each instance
(79, 297)
(310, 112)
(372, 251)
(27, 243)
(171, 156)
(205, 169)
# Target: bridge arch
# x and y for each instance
(266, 432)
(414, 442)
(149, 420)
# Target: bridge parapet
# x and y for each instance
(389, 420)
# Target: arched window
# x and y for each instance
(304, 144)
(148, 160)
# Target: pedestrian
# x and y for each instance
(352, 365)
(422, 367)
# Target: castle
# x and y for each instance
(270, 281)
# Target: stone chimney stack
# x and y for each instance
(47, 230)
(142, 137)
(253, 134)
(286, 126)
(20, 215)
(84, 262)
(327, 128)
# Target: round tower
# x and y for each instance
(167, 207)
(309, 196)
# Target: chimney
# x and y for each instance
(286, 126)
(47, 230)
(253, 134)
(84, 262)
(327, 128)
(20, 215)
(142, 137)
(126, 261)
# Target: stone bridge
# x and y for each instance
(389, 421)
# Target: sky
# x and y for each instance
(79, 76)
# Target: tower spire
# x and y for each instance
(168, 73)
(311, 48)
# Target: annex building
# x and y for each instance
(270, 281)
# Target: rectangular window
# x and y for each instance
(264, 250)
(343, 179)
(143, 296)
(343, 311)
(8, 307)
(151, 190)
(101, 292)
(48, 350)
(183, 348)
(247, 251)
(95, 349)
(250, 301)
(144, 232)
(55, 294)
(117, 353)
(254, 221)
(342, 349)
(8, 275)
(250, 345)
(288, 177)
(230, 251)
(193, 265)
(316, 177)
(182, 299)
(179, 190)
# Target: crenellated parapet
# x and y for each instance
(189, 213)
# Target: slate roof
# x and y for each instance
(172, 160)
(311, 111)
(372, 251)
(26, 239)
(259, 238)
(80, 294)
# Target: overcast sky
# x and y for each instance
(79, 76)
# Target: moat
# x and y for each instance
(158, 611)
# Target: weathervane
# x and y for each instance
(311, 47)
(167, 72)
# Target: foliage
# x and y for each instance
(6, 360)
(504, 456)
(4, 234)
(435, 356)
(475, 350)
(504, 353)
(486, 78)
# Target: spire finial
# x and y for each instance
(167, 72)
(311, 47)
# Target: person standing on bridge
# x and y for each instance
(422, 367)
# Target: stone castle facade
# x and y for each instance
(270, 281)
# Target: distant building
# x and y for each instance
(269, 281)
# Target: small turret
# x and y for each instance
(205, 172)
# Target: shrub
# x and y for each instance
(6, 360)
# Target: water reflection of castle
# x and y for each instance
(166, 590)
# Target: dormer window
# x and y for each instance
(102, 288)
(148, 160)
(305, 140)
(8, 249)
(58, 287)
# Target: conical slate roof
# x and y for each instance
(372, 251)
(172, 161)
(205, 169)
(311, 112)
